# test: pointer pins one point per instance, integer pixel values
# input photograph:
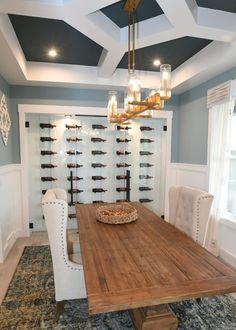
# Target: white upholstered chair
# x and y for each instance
(67, 268)
(189, 210)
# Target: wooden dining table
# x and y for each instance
(144, 265)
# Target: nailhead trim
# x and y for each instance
(63, 226)
(198, 215)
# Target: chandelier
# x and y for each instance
(133, 105)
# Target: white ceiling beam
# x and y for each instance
(84, 76)
(12, 60)
(31, 8)
(212, 60)
(218, 25)
(180, 13)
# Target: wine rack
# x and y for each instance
(71, 159)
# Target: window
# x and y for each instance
(231, 200)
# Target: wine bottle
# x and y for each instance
(122, 165)
(95, 202)
(120, 189)
(121, 177)
(123, 127)
(73, 139)
(145, 165)
(72, 216)
(93, 139)
(73, 152)
(74, 178)
(145, 177)
(98, 177)
(73, 126)
(46, 139)
(48, 152)
(48, 166)
(145, 153)
(48, 178)
(74, 165)
(46, 125)
(98, 152)
(145, 200)
(98, 190)
(121, 200)
(144, 188)
(94, 165)
(146, 128)
(74, 191)
(95, 126)
(120, 152)
(120, 140)
(146, 141)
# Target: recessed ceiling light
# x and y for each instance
(156, 62)
(52, 53)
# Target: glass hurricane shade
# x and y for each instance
(165, 89)
(112, 105)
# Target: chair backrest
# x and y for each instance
(55, 211)
(189, 211)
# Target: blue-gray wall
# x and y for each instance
(7, 155)
(70, 96)
(193, 121)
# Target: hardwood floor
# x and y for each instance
(7, 268)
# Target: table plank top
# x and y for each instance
(147, 262)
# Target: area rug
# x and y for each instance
(30, 304)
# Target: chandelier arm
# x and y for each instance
(133, 30)
(129, 33)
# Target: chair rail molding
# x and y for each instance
(182, 174)
(11, 211)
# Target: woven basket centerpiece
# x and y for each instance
(116, 213)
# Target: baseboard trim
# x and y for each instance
(10, 241)
(228, 257)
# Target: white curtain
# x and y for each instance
(219, 136)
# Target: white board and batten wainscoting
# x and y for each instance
(11, 210)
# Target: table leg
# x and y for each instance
(158, 317)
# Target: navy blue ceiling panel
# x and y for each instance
(174, 52)
(146, 9)
(38, 35)
(224, 5)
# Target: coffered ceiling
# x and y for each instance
(197, 37)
